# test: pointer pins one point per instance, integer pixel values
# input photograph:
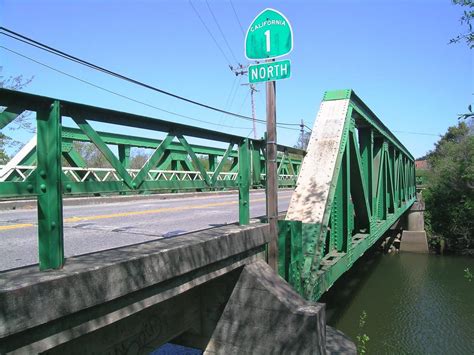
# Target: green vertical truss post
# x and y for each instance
(244, 182)
(124, 155)
(256, 165)
(212, 162)
(50, 207)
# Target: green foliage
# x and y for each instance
(303, 140)
(466, 18)
(467, 116)
(3, 154)
(450, 193)
(468, 274)
(23, 121)
(422, 177)
(91, 155)
(362, 339)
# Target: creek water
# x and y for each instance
(415, 303)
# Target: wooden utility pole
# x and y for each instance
(252, 100)
(243, 70)
(272, 181)
(302, 133)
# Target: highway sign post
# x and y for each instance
(270, 36)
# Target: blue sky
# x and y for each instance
(393, 53)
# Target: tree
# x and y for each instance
(92, 156)
(450, 193)
(138, 160)
(3, 154)
(467, 116)
(466, 18)
(303, 140)
(23, 121)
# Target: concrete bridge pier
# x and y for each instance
(414, 239)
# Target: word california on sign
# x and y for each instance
(267, 23)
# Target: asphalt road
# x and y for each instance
(94, 227)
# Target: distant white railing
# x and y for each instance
(79, 174)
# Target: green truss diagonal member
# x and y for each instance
(194, 159)
(111, 158)
(153, 160)
(219, 168)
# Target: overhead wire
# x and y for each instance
(244, 101)
(230, 93)
(226, 106)
(222, 32)
(417, 133)
(123, 77)
(235, 93)
(49, 49)
(237, 17)
(116, 93)
(209, 32)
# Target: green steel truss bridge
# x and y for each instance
(355, 180)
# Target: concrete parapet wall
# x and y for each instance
(42, 310)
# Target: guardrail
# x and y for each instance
(49, 166)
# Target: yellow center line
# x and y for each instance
(16, 226)
(134, 213)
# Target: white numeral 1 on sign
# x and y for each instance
(267, 35)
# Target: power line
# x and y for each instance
(121, 95)
(44, 47)
(235, 93)
(120, 76)
(237, 17)
(230, 94)
(226, 106)
(116, 93)
(209, 32)
(243, 102)
(418, 133)
(220, 30)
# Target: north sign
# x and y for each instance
(269, 71)
(269, 36)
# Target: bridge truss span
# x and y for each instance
(356, 181)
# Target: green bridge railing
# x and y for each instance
(50, 166)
